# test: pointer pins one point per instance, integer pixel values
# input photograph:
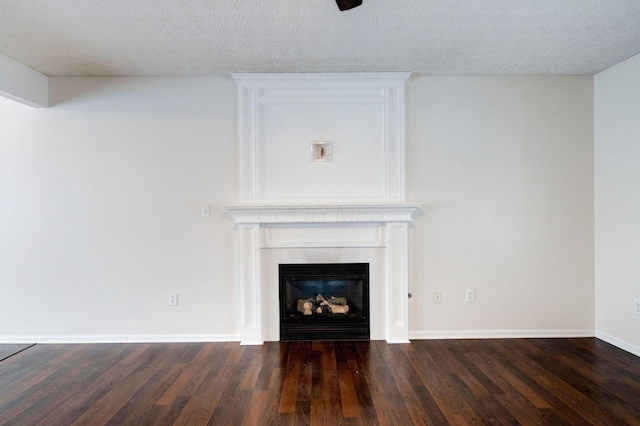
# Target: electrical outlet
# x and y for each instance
(470, 296)
(173, 299)
(636, 306)
(205, 210)
(437, 297)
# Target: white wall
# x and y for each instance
(617, 203)
(101, 193)
(504, 167)
(100, 209)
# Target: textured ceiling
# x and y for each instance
(204, 37)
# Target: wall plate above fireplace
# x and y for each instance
(321, 151)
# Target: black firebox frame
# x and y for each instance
(337, 327)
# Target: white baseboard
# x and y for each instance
(121, 338)
(413, 335)
(622, 344)
(498, 334)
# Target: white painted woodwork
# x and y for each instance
(381, 243)
(318, 213)
(298, 210)
(282, 114)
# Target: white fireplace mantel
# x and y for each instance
(382, 227)
(298, 206)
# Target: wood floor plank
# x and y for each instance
(197, 411)
(492, 401)
(408, 383)
(317, 373)
(117, 397)
(329, 356)
(302, 413)
(393, 400)
(78, 403)
(289, 394)
(207, 372)
(207, 394)
(269, 356)
(598, 401)
(186, 377)
(363, 393)
(318, 413)
(36, 402)
(437, 382)
(35, 366)
(233, 401)
(512, 398)
(427, 410)
(172, 412)
(270, 414)
(432, 378)
(568, 404)
(252, 371)
(152, 390)
(449, 384)
(348, 396)
(256, 406)
(610, 389)
(7, 351)
(305, 376)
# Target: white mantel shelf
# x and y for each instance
(322, 213)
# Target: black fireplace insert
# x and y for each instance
(324, 301)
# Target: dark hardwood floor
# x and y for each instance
(459, 382)
(9, 350)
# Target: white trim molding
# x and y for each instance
(500, 334)
(323, 213)
(619, 343)
(120, 338)
(257, 92)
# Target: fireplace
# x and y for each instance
(297, 208)
(326, 301)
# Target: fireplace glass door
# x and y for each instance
(324, 301)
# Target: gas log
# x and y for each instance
(319, 305)
(306, 306)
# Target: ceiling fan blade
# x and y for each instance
(348, 4)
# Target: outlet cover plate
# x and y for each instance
(470, 296)
(437, 297)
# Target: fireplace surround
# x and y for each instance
(322, 180)
(376, 234)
